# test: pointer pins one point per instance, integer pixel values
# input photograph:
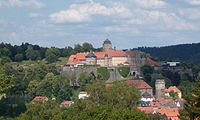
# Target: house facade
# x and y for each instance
(110, 57)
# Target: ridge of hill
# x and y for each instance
(188, 53)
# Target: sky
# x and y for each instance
(127, 23)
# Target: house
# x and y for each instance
(40, 99)
(66, 103)
(110, 57)
(142, 86)
(147, 110)
(174, 89)
(83, 95)
(147, 97)
(173, 64)
(170, 113)
(168, 102)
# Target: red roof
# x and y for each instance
(75, 62)
(101, 55)
(66, 102)
(154, 104)
(152, 63)
(111, 53)
(172, 88)
(80, 57)
(148, 110)
(40, 99)
(140, 84)
(169, 112)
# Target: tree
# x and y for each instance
(186, 87)
(4, 60)
(5, 52)
(52, 55)
(5, 82)
(85, 78)
(173, 94)
(192, 106)
(51, 86)
(19, 57)
(38, 111)
(157, 116)
(47, 86)
(31, 53)
(78, 48)
(120, 94)
(87, 47)
(102, 112)
(67, 51)
(32, 87)
(147, 72)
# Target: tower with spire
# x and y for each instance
(107, 45)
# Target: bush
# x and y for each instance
(19, 57)
(124, 71)
(103, 73)
(5, 59)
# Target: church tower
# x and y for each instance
(107, 45)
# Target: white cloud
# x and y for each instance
(22, 3)
(84, 12)
(193, 2)
(121, 29)
(190, 13)
(159, 18)
(150, 3)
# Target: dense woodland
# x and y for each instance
(29, 70)
(188, 53)
(27, 51)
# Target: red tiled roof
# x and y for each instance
(83, 92)
(74, 62)
(172, 88)
(169, 112)
(66, 102)
(148, 110)
(154, 104)
(140, 84)
(101, 55)
(152, 63)
(111, 53)
(40, 99)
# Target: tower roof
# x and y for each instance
(91, 55)
(107, 41)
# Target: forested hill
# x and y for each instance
(189, 53)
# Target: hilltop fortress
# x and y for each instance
(110, 57)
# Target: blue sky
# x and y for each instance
(127, 23)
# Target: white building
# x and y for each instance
(83, 95)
